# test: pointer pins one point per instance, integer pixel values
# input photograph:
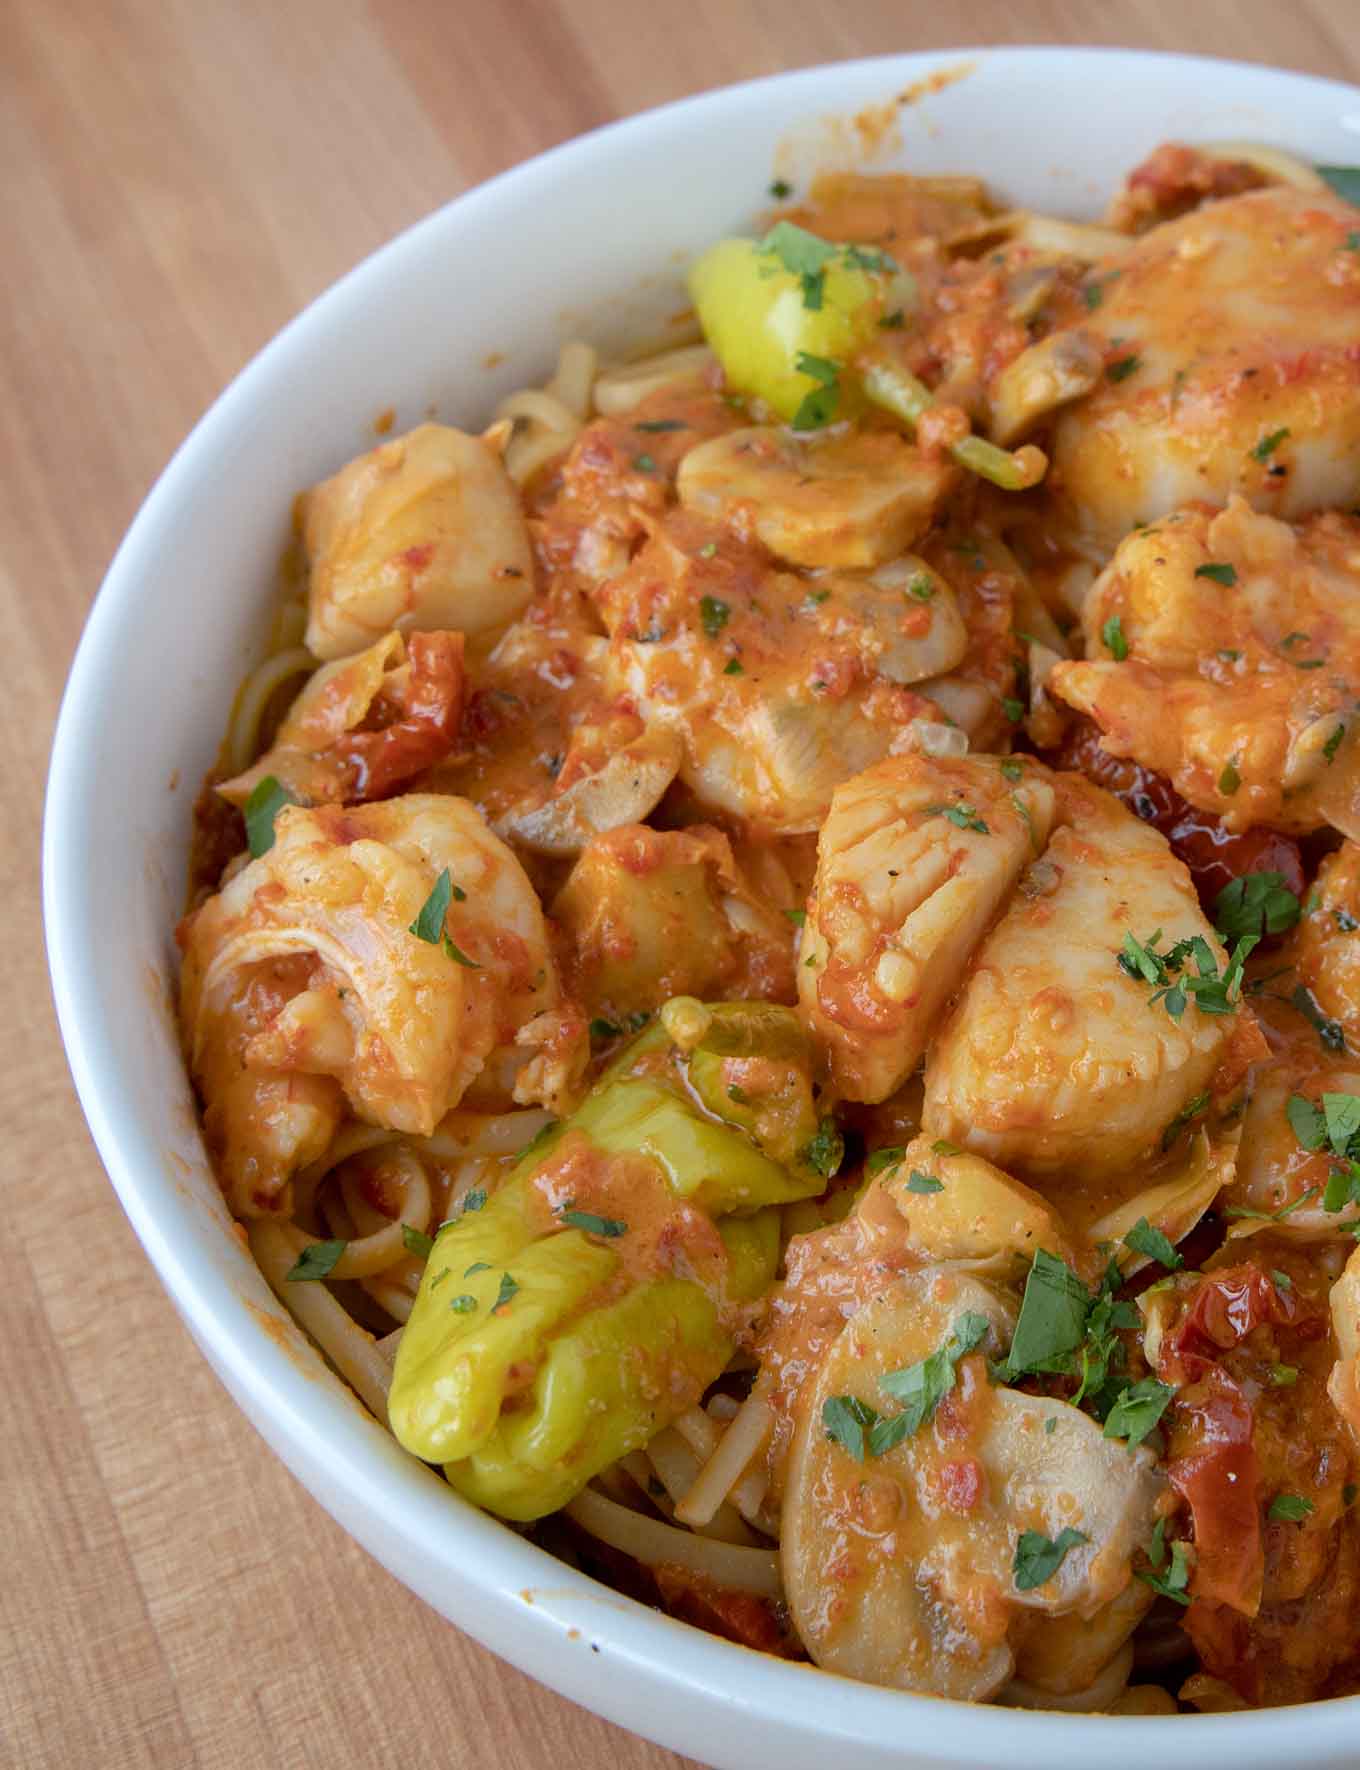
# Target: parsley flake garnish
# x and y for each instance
(644, 463)
(1137, 1410)
(600, 1028)
(1189, 1112)
(919, 1182)
(884, 1158)
(1123, 368)
(1171, 1584)
(315, 1261)
(819, 406)
(963, 816)
(464, 1304)
(1268, 444)
(942, 1146)
(267, 799)
(505, 1295)
(825, 1151)
(846, 1418)
(1220, 573)
(1289, 1508)
(1330, 1032)
(416, 1242)
(1013, 709)
(1038, 1558)
(656, 426)
(780, 189)
(920, 588)
(1112, 638)
(587, 1221)
(733, 667)
(474, 1200)
(1213, 993)
(1257, 903)
(1230, 780)
(1013, 770)
(714, 615)
(1144, 1239)
(1333, 744)
(922, 1386)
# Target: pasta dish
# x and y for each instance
(773, 962)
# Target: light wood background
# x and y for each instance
(177, 177)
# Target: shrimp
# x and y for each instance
(1223, 651)
(305, 985)
(425, 531)
(915, 860)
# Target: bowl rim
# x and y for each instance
(524, 1590)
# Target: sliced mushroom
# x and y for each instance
(1057, 369)
(625, 790)
(848, 502)
(1344, 1383)
(900, 1569)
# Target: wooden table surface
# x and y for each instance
(178, 179)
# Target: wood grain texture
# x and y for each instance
(179, 176)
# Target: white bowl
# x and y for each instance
(586, 239)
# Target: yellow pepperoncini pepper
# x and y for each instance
(549, 1338)
(777, 311)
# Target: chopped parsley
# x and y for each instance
(819, 406)
(317, 1260)
(267, 799)
(1268, 444)
(1284, 1376)
(963, 816)
(1112, 638)
(600, 1028)
(920, 588)
(656, 426)
(1213, 992)
(922, 1386)
(1038, 1557)
(1137, 1410)
(824, 1152)
(733, 667)
(797, 917)
(1230, 780)
(1013, 709)
(1289, 1508)
(942, 1146)
(429, 924)
(476, 1198)
(1123, 368)
(884, 1158)
(846, 1419)
(919, 1182)
(1013, 770)
(1220, 573)
(590, 1224)
(781, 189)
(1257, 903)
(1052, 1320)
(506, 1294)
(464, 1304)
(1171, 1584)
(416, 1242)
(1144, 1239)
(714, 615)
(644, 463)
(476, 1266)
(1333, 744)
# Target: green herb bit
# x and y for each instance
(657, 426)
(1333, 744)
(781, 189)
(476, 1198)
(1268, 444)
(1144, 1239)
(429, 924)
(439, 1278)
(1013, 770)
(1038, 1558)
(884, 1158)
(267, 799)
(919, 1182)
(1112, 638)
(920, 587)
(1220, 573)
(825, 1152)
(453, 951)
(1228, 655)
(1013, 709)
(464, 1304)
(733, 667)
(921, 1387)
(894, 321)
(708, 550)
(1172, 1584)
(1344, 180)
(316, 1260)
(1052, 1321)
(509, 1287)
(942, 1146)
(1137, 1410)
(797, 917)
(846, 1419)
(587, 1221)
(1123, 368)
(1187, 1114)
(714, 615)
(1230, 780)
(1257, 903)
(416, 1242)
(1289, 1508)
(1349, 1494)
(601, 1028)
(476, 1266)
(963, 816)
(1284, 1376)
(1297, 1204)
